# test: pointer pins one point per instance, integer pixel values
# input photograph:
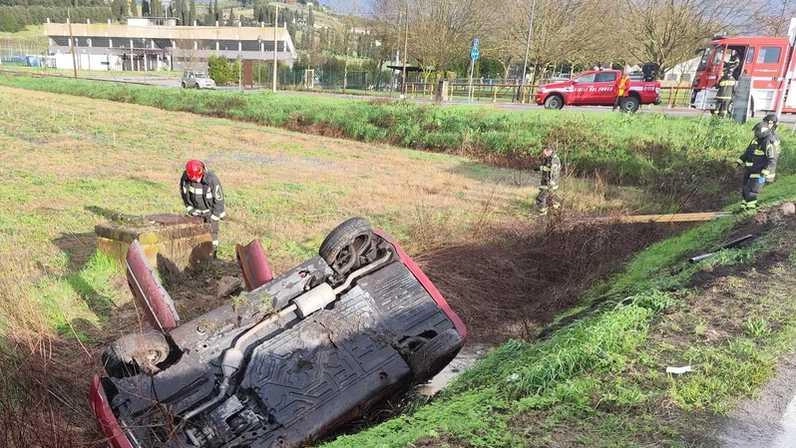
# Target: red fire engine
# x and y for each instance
(768, 61)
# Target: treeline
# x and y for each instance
(15, 18)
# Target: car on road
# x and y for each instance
(197, 80)
(286, 361)
(597, 88)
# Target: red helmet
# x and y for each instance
(195, 170)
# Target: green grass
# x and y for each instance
(600, 382)
(672, 154)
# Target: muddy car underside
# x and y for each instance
(288, 361)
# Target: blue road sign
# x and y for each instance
(474, 52)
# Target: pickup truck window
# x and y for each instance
(605, 77)
(585, 78)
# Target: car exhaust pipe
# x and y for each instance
(311, 301)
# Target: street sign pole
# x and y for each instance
(474, 55)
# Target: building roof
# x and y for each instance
(168, 32)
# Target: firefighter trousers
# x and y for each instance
(547, 198)
(752, 186)
(214, 228)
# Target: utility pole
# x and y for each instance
(71, 41)
(276, 22)
(406, 46)
(527, 50)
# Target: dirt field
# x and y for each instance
(68, 163)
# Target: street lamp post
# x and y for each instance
(527, 49)
(276, 21)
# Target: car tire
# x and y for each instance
(344, 247)
(183, 85)
(554, 102)
(135, 353)
(434, 354)
(629, 104)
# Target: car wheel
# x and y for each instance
(196, 86)
(629, 104)
(134, 353)
(183, 85)
(553, 102)
(434, 354)
(345, 246)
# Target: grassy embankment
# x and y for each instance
(70, 162)
(687, 160)
(601, 382)
(94, 157)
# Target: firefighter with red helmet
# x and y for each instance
(759, 159)
(203, 196)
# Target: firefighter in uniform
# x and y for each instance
(551, 173)
(203, 197)
(770, 122)
(757, 161)
(724, 95)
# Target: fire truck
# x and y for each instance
(768, 61)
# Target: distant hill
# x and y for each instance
(362, 7)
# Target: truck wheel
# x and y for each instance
(629, 104)
(344, 247)
(434, 354)
(134, 353)
(553, 102)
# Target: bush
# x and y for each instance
(222, 70)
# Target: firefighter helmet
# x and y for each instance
(772, 119)
(195, 170)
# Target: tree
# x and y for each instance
(773, 17)
(156, 8)
(192, 12)
(668, 32)
(440, 31)
(145, 11)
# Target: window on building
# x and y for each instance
(100, 42)
(605, 77)
(228, 45)
(250, 45)
(61, 41)
(768, 55)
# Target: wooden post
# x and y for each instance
(276, 21)
(71, 41)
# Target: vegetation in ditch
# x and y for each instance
(602, 381)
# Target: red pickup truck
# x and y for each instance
(597, 88)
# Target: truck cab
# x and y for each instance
(761, 58)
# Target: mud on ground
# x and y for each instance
(516, 280)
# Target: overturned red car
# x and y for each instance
(283, 363)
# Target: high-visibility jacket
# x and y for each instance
(623, 85)
(204, 198)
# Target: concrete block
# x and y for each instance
(171, 243)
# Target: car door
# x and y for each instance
(582, 89)
(605, 88)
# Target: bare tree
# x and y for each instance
(440, 31)
(773, 17)
(667, 32)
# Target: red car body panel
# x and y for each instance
(107, 421)
(254, 265)
(576, 92)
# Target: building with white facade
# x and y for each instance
(145, 44)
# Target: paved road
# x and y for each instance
(174, 82)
